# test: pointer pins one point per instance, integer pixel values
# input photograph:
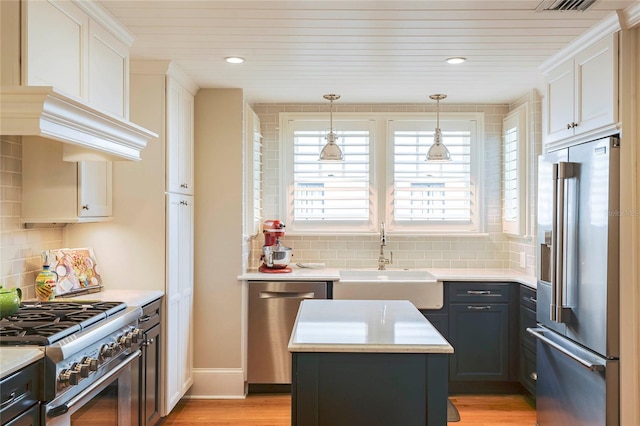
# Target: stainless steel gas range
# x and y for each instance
(91, 353)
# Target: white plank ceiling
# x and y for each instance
(367, 51)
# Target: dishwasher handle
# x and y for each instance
(287, 295)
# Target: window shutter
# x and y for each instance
(431, 192)
(335, 192)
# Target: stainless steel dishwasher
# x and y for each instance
(272, 311)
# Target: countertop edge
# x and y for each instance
(388, 349)
(130, 297)
(14, 358)
(445, 275)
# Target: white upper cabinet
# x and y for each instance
(179, 138)
(57, 191)
(108, 72)
(53, 42)
(68, 49)
(94, 189)
(582, 94)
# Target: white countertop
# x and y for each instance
(333, 274)
(130, 297)
(372, 326)
(14, 358)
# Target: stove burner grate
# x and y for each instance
(47, 322)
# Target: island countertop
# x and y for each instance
(372, 326)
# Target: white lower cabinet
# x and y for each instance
(179, 297)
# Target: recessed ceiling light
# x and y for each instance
(234, 59)
(456, 60)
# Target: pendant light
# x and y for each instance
(331, 151)
(438, 152)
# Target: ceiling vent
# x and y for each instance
(564, 5)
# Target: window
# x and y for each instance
(400, 187)
(329, 195)
(514, 172)
(432, 196)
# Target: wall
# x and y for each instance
(630, 226)
(486, 251)
(20, 248)
(218, 295)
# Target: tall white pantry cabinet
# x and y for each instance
(154, 82)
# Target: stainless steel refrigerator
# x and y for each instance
(578, 292)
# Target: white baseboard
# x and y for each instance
(217, 383)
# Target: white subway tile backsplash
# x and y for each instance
(20, 248)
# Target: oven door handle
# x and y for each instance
(64, 408)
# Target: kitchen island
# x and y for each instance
(373, 362)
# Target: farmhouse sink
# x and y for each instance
(417, 286)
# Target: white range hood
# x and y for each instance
(88, 134)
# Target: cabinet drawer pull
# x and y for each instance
(144, 319)
(85, 207)
(10, 399)
(534, 376)
(478, 291)
(184, 185)
(478, 308)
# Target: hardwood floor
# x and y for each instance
(275, 410)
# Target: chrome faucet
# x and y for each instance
(382, 260)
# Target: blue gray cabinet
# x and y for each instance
(486, 325)
(20, 393)
(149, 397)
(483, 332)
(334, 389)
(528, 374)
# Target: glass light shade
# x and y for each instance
(438, 152)
(331, 151)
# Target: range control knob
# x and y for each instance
(125, 341)
(106, 351)
(86, 366)
(63, 378)
(68, 377)
(137, 334)
(91, 362)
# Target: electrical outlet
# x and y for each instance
(523, 259)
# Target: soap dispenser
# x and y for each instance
(46, 280)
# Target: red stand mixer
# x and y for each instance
(275, 256)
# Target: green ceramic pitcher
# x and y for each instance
(9, 301)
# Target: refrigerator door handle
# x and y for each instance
(538, 334)
(554, 246)
(561, 172)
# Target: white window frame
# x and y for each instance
(253, 174)
(381, 176)
(516, 225)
